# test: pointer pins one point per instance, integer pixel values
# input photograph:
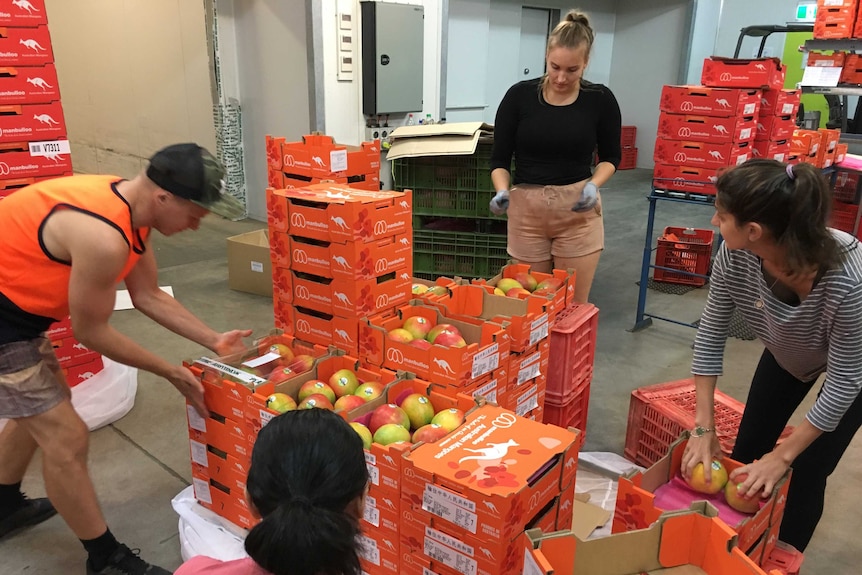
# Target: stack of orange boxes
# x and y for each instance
(467, 499)
(835, 19)
(702, 129)
(338, 255)
(77, 362)
(776, 123)
(33, 143)
(317, 158)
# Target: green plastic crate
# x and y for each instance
(463, 254)
(448, 185)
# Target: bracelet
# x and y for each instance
(699, 431)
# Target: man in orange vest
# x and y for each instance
(64, 246)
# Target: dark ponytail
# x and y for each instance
(793, 202)
(307, 473)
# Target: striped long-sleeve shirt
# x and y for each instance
(822, 333)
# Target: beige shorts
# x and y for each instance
(542, 225)
(31, 381)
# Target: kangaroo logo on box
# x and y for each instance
(404, 204)
(46, 119)
(340, 260)
(343, 335)
(25, 5)
(723, 103)
(495, 451)
(760, 67)
(339, 221)
(342, 297)
(318, 161)
(443, 365)
(31, 44)
(39, 83)
(716, 155)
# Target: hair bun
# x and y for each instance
(577, 17)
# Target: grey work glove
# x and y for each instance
(588, 200)
(500, 203)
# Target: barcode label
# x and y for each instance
(265, 417)
(449, 557)
(529, 373)
(527, 405)
(748, 109)
(195, 420)
(779, 157)
(449, 511)
(368, 550)
(48, 149)
(452, 542)
(338, 160)
(741, 159)
(202, 490)
(486, 360)
(257, 267)
(262, 360)
(370, 458)
(540, 331)
(745, 134)
(372, 515)
(787, 108)
(199, 453)
(238, 374)
(445, 495)
(373, 474)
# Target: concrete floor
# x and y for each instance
(140, 462)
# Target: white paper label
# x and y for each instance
(530, 565)
(195, 420)
(528, 373)
(837, 3)
(265, 417)
(745, 134)
(486, 360)
(373, 474)
(49, 148)
(199, 453)
(257, 267)
(450, 557)
(527, 404)
(262, 360)
(445, 495)
(338, 160)
(779, 157)
(368, 549)
(741, 159)
(443, 506)
(748, 109)
(372, 515)
(239, 374)
(787, 108)
(488, 391)
(202, 490)
(452, 542)
(539, 332)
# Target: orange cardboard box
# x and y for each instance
(701, 154)
(636, 508)
(30, 13)
(528, 318)
(337, 213)
(32, 122)
(11, 185)
(835, 12)
(707, 128)
(320, 328)
(685, 179)
(62, 329)
(770, 149)
(834, 30)
(775, 127)
(689, 542)
(346, 298)
(21, 167)
(822, 59)
(232, 437)
(78, 374)
(493, 387)
(559, 298)
(526, 365)
(28, 85)
(25, 46)
(437, 294)
(346, 261)
(851, 73)
(805, 142)
(223, 501)
(766, 73)
(490, 475)
(706, 101)
(780, 102)
(71, 352)
(857, 27)
(223, 468)
(840, 152)
(487, 348)
(379, 552)
(382, 510)
(318, 155)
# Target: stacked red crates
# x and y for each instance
(338, 255)
(702, 129)
(659, 414)
(776, 123)
(33, 143)
(572, 356)
(685, 249)
(628, 138)
(77, 362)
(317, 158)
(835, 19)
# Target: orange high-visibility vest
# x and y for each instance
(30, 277)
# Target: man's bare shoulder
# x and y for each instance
(71, 234)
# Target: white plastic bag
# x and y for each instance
(105, 397)
(202, 532)
(598, 473)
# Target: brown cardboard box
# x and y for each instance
(249, 268)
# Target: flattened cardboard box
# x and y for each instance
(458, 139)
(249, 268)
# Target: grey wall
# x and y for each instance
(273, 83)
(737, 14)
(647, 53)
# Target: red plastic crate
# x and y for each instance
(844, 216)
(690, 253)
(572, 352)
(786, 558)
(628, 135)
(845, 186)
(629, 159)
(571, 414)
(658, 414)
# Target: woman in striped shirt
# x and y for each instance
(798, 284)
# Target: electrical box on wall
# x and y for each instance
(392, 54)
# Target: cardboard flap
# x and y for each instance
(587, 517)
(456, 139)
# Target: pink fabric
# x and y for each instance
(676, 494)
(202, 565)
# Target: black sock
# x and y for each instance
(11, 498)
(100, 549)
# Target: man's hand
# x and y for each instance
(763, 475)
(589, 198)
(500, 203)
(231, 342)
(191, 388)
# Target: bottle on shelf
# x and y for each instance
(428, 119)
(410, 119)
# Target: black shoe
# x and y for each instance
(125, 561)
(33, 512)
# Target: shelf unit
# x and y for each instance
(853, 45)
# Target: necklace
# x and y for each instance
(758, 303)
